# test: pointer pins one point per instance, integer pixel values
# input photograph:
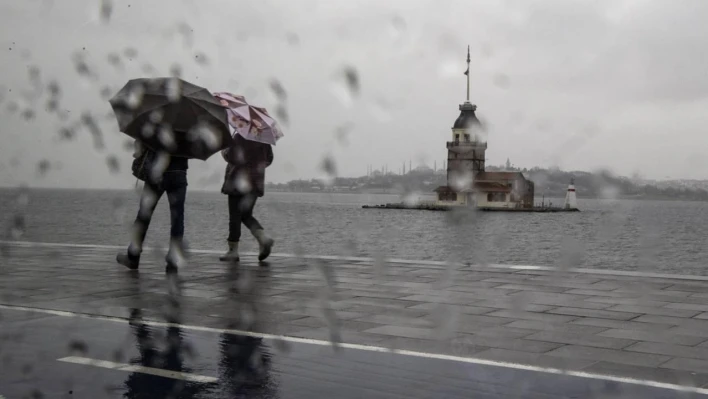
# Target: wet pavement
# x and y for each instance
(75, 325)
(62, 357)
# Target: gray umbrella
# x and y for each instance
(173, 116)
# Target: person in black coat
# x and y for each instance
(162, 174)
(244, 183)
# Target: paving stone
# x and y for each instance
(535, 288)
(693, 332)
(683, 378)
(609, 355)
(688, 306)
(512, 314)
(638, 301)
(691, 365)
(514, 305)
(532, 326)
(654, 311)
(435, 307)
(673, 321)
(403, 331)
(502, 332)
(371, 294)
(398, 320)
(449, 300)
(697, 288)
(584, 340)
(599, 293)
(523, 345)
(692, 352)
(576, 301)
(600, 314)
(667, 336)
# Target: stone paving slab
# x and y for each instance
(639, 326)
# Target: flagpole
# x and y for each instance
(468, 73)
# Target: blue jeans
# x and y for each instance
(174, 183)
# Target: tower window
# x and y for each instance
(457, 138)
(467, 138)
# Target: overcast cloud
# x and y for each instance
(618, 84)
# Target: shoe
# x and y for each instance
(232, 254)
(265, 244)
(132, 262)
(175, 258)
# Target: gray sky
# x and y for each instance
(618, 84)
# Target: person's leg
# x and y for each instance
(265, 243)
(177, 198)
(148, 201)
(248, 202)
(234, 229)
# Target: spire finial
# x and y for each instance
(467, 73)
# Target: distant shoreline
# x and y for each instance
(361, 192)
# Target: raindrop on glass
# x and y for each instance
(156, 116)
(106, 10)
(176, 71)
(28, 114)
(88, 120)
(278, 90)
(130, 52)
(43, 167)
(293, 39)
(281, 113)
(114, 59)
(201, 59)
(78, 347)
(174, 90)
(243, 183)
(167, 137)
(147, 131)
(113, 164)
(135, 96)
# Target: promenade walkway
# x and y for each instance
(650, 329)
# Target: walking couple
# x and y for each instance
(244, 183)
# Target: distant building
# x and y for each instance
(468, 183)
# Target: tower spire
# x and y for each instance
(467, 73)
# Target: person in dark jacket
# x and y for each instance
(244, 183)
(164, 174)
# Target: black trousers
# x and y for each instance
(241, 211)
(174, 183)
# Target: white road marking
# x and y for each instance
(392, 260)
(368, 348)
(137, 369)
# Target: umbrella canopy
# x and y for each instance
(173, 116)
(251, 122)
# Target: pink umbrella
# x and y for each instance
(251, 122)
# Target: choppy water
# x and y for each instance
(628, 235)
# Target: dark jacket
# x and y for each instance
(245, 169)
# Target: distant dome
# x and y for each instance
(467, 117)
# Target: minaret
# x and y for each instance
(571, 200)
(466, 151)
